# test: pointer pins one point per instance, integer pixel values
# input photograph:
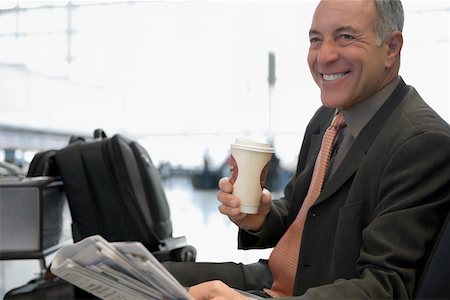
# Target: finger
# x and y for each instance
(238, 218)
(266, 197)
(228, 199)
(266, 203)
(199, 291)
(231, 212)
(215, 289)
(225, 185)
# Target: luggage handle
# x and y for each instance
(99, 134)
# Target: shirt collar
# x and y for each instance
(356, 117)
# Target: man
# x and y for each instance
(387, 186)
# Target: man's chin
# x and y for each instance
(329, 102)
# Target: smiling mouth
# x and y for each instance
(331, 77)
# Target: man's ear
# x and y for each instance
(394, 45)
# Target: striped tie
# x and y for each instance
(283, 260)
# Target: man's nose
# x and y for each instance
(327, 52)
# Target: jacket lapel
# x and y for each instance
(361, 145)
(315, 140)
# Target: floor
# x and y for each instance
(194, 215)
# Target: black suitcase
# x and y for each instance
(114, 190)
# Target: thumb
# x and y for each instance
(266, 197)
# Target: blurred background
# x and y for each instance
(184, 78)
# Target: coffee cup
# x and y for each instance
(249, 166)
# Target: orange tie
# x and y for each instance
(284, 257)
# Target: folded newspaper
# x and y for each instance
(116, 271)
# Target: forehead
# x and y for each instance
(339, 13)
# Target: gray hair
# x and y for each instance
(390, 18)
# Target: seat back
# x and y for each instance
(435, 280)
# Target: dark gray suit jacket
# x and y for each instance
(370, 231)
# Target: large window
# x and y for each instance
(164, 70)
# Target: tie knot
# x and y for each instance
(338, 121)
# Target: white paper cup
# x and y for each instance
(249, 166)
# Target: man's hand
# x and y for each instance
(230, 206)
(216, 290)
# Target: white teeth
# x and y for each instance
(333, 76)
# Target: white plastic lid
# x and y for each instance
(247, 144)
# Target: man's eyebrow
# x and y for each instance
(346, 28)
(313, 31)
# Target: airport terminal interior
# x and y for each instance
(183, 79)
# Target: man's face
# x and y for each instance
(345, 62)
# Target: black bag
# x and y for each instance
(114, 190)
(43, 164)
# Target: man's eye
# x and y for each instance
(314, 41)
(347, 37)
